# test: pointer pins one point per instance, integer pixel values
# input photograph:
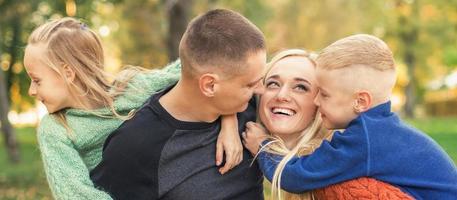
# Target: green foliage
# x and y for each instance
(450, 56)
(139, 29)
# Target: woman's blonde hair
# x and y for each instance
(69, 43)
(308, 141)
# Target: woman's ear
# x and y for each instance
(207, 84)
(69, 73)
(363, 101)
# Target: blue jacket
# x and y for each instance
(376, 144)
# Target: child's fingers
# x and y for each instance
(240, 157)
(244, 135)
(229, 162)
(250, 124)
(219, 153)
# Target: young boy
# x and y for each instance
(356, 75)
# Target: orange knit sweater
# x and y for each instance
(361, 188)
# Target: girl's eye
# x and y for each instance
(272, 84)
(37, 82)
(301, 87)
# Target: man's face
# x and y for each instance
(235, 93)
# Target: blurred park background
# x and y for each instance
(422, 34)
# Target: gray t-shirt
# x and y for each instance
(155, 156)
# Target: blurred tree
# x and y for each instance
(408, 20)
(142, 32)
(9, 135)
(178, 13)
(424, 32)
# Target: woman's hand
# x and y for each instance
(253, 137)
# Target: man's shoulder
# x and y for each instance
(140, 127)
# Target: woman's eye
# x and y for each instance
(272, 84)
(301, 87)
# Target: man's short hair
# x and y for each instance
(219, 40)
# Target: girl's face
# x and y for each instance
(46, 84)
(286, 106)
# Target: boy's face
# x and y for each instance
(236, 92)
(335, 99)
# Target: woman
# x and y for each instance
(287, 111)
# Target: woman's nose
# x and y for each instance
(283, 94)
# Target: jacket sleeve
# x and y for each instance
(143, 85)
(344, 158)
(67, 175)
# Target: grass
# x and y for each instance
(27, 180)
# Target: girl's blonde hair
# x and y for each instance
(69, 43)
(308, 141)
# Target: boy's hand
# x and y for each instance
(229, 142)
(253, 137)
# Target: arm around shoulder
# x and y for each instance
(341, 159)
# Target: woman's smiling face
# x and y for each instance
(286, 106)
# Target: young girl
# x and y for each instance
(65, 61)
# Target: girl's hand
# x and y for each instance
(253, 137)
(229, 142)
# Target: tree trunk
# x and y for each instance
(408, 36)
(410, 89)
(178, 12)
(11, 144)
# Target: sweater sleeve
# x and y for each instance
(344, 158)
(156, 80)
(67, 175)
(143, 85)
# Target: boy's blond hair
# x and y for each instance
(360, 49)
(364, 62)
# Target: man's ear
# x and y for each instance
(68, 72)
(362, 101)
(207, 84)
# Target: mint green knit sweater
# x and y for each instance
(68, 161)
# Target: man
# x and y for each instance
(167, 150)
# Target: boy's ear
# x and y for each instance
(363, 101)
(68, 73)
(207, 84)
